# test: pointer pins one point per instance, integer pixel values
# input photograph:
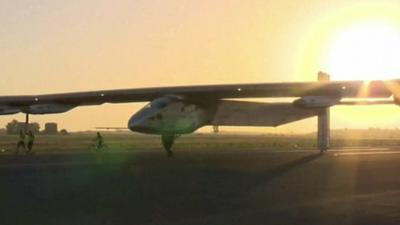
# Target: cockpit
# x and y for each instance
(150, 114)
(159, 103)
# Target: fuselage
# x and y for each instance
(169, 115)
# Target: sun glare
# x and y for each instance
(365, 52)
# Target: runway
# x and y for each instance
(343, 186)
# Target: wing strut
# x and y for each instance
(26, 122)
(323, 134)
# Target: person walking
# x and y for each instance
(21, 142)
(31, 141)
(99, 142)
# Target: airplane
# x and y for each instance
(174, 111)
(112, 128)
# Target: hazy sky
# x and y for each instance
(52, 46)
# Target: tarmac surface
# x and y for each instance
(348, 186)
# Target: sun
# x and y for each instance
(364, 51)
(359, 41)
(353, 42)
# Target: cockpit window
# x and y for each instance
(159, 104)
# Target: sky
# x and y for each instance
(49, 46)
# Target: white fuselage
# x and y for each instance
(168, 115)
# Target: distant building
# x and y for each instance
(64, 132)
(14, 127)
(50, 128)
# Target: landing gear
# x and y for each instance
(168, 141)
(323, 151)
(323, 134)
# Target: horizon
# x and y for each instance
(208, 130)
(54, 47)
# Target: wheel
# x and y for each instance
(168, 141)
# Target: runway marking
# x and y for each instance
(329, 150)
(44, 165)
(367, 153)
(358, 149)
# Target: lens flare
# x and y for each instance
(365, 52)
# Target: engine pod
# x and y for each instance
(48, 108)
(316, 101)
(9, 110)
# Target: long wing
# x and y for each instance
(55, 103)
(238, 113)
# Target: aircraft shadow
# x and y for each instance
(269, 175)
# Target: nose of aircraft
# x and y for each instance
(134, 124)
(138, 123)
(142, 122)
